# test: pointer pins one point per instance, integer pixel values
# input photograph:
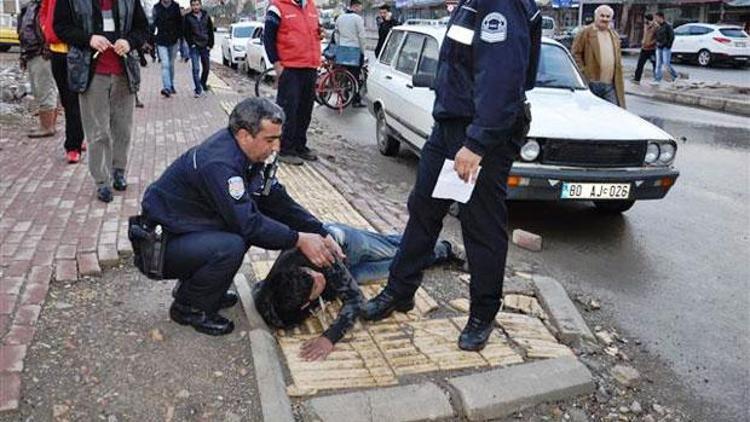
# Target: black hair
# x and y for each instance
(196, 1)
(385, 7)
(249, 114)
(660, 14)
(355, 3)
(649, 17)
(291, 291)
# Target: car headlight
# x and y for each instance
(652, 153)
(238, 48)
(667, 153)
(530, 151)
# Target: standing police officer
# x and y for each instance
(487, 62)
(212, 205)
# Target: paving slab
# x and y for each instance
(501, 392)
(418, 402)
(563, 314)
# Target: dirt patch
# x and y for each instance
(105, 349)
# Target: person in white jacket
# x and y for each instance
(350, 32)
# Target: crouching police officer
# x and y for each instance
(487, 62)
(211, 205)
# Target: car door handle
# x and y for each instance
(410, 86)
(389, 77)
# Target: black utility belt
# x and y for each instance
(149, 245)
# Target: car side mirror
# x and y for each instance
(423, 80)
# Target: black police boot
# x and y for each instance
(229, 299)
(212, 324)
(382, 305)
(475, 334)
(119, 182)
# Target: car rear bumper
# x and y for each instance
(537, 182)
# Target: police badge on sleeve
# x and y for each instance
(236, 187)
(494, 28)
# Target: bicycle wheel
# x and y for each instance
(322, 72)
(337, 89)
(266, 84)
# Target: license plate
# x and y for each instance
(740, 44)
(595, 191)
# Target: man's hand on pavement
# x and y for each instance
(122, 47)
(99, 43)
(314, 247)
(316, 349)
(467, 164)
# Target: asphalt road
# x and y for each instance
(674, 273)
(721, 73)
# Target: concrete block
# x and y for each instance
(712, 103)
(527, 240)
(419, 402)
(737, 107)
(562, 312)
(502, 392)
(275, 404)
(248, 304)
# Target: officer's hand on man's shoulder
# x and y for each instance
(314, 247)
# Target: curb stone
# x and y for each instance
(274, 402)
(502, 392)
(248, 304)
(741, 108)
(395, 404)
(563, 313)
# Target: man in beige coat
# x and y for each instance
(596, 49)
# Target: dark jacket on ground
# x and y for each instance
(199, 31)
(383, 29)
(664, 36)
(339, 285)
(167, 23)
(213, 186)
(75, 27)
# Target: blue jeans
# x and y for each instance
(664, 57)
(604, 91)
(369, 255)
(167, 55)
(200, 59)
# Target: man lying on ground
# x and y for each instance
(294, 287)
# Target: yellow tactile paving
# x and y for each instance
(216, 82)
(532, 335)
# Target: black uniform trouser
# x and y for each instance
(69, 101)
(296, 95)
(646, 55)
(205, 263)
(483, 222)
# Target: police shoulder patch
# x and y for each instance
(494, 28)
(236, 187)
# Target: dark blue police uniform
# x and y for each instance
(479, 103)
(208, 202)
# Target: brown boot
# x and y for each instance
(47, 120)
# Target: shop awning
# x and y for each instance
(738, 3)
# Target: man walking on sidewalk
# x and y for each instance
(350, 29)
(596, 50)
(167, 26)
(103, 68)
(292, 43)
(664, 41)
(35, 59)
(648, 47)
(199, 35)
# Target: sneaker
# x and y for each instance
(291, 159)
(307, 154)
(166, 93)
(206, 87)
(475, 334)
(73, 156)
(655, 83)
(104, 194)
(197, 94)
(173, 91)
(119, 182)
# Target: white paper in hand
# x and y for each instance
(450, 186)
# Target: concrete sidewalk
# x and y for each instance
(718, 97)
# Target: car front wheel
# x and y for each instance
(614, 207)
(387, 144)
(224, 60)
(704, 58)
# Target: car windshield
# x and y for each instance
(243, 31)
(556, 69)
(733, 33)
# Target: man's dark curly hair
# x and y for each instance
(291, 291)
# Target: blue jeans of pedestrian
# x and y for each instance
(369, 255)
(664, 58)
(604, 91)
(167, 54)
(205, 263)
(200, 59)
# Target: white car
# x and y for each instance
(707, 44)
(579, 147)
(548, 26)
(256, 59)
(233, 45)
